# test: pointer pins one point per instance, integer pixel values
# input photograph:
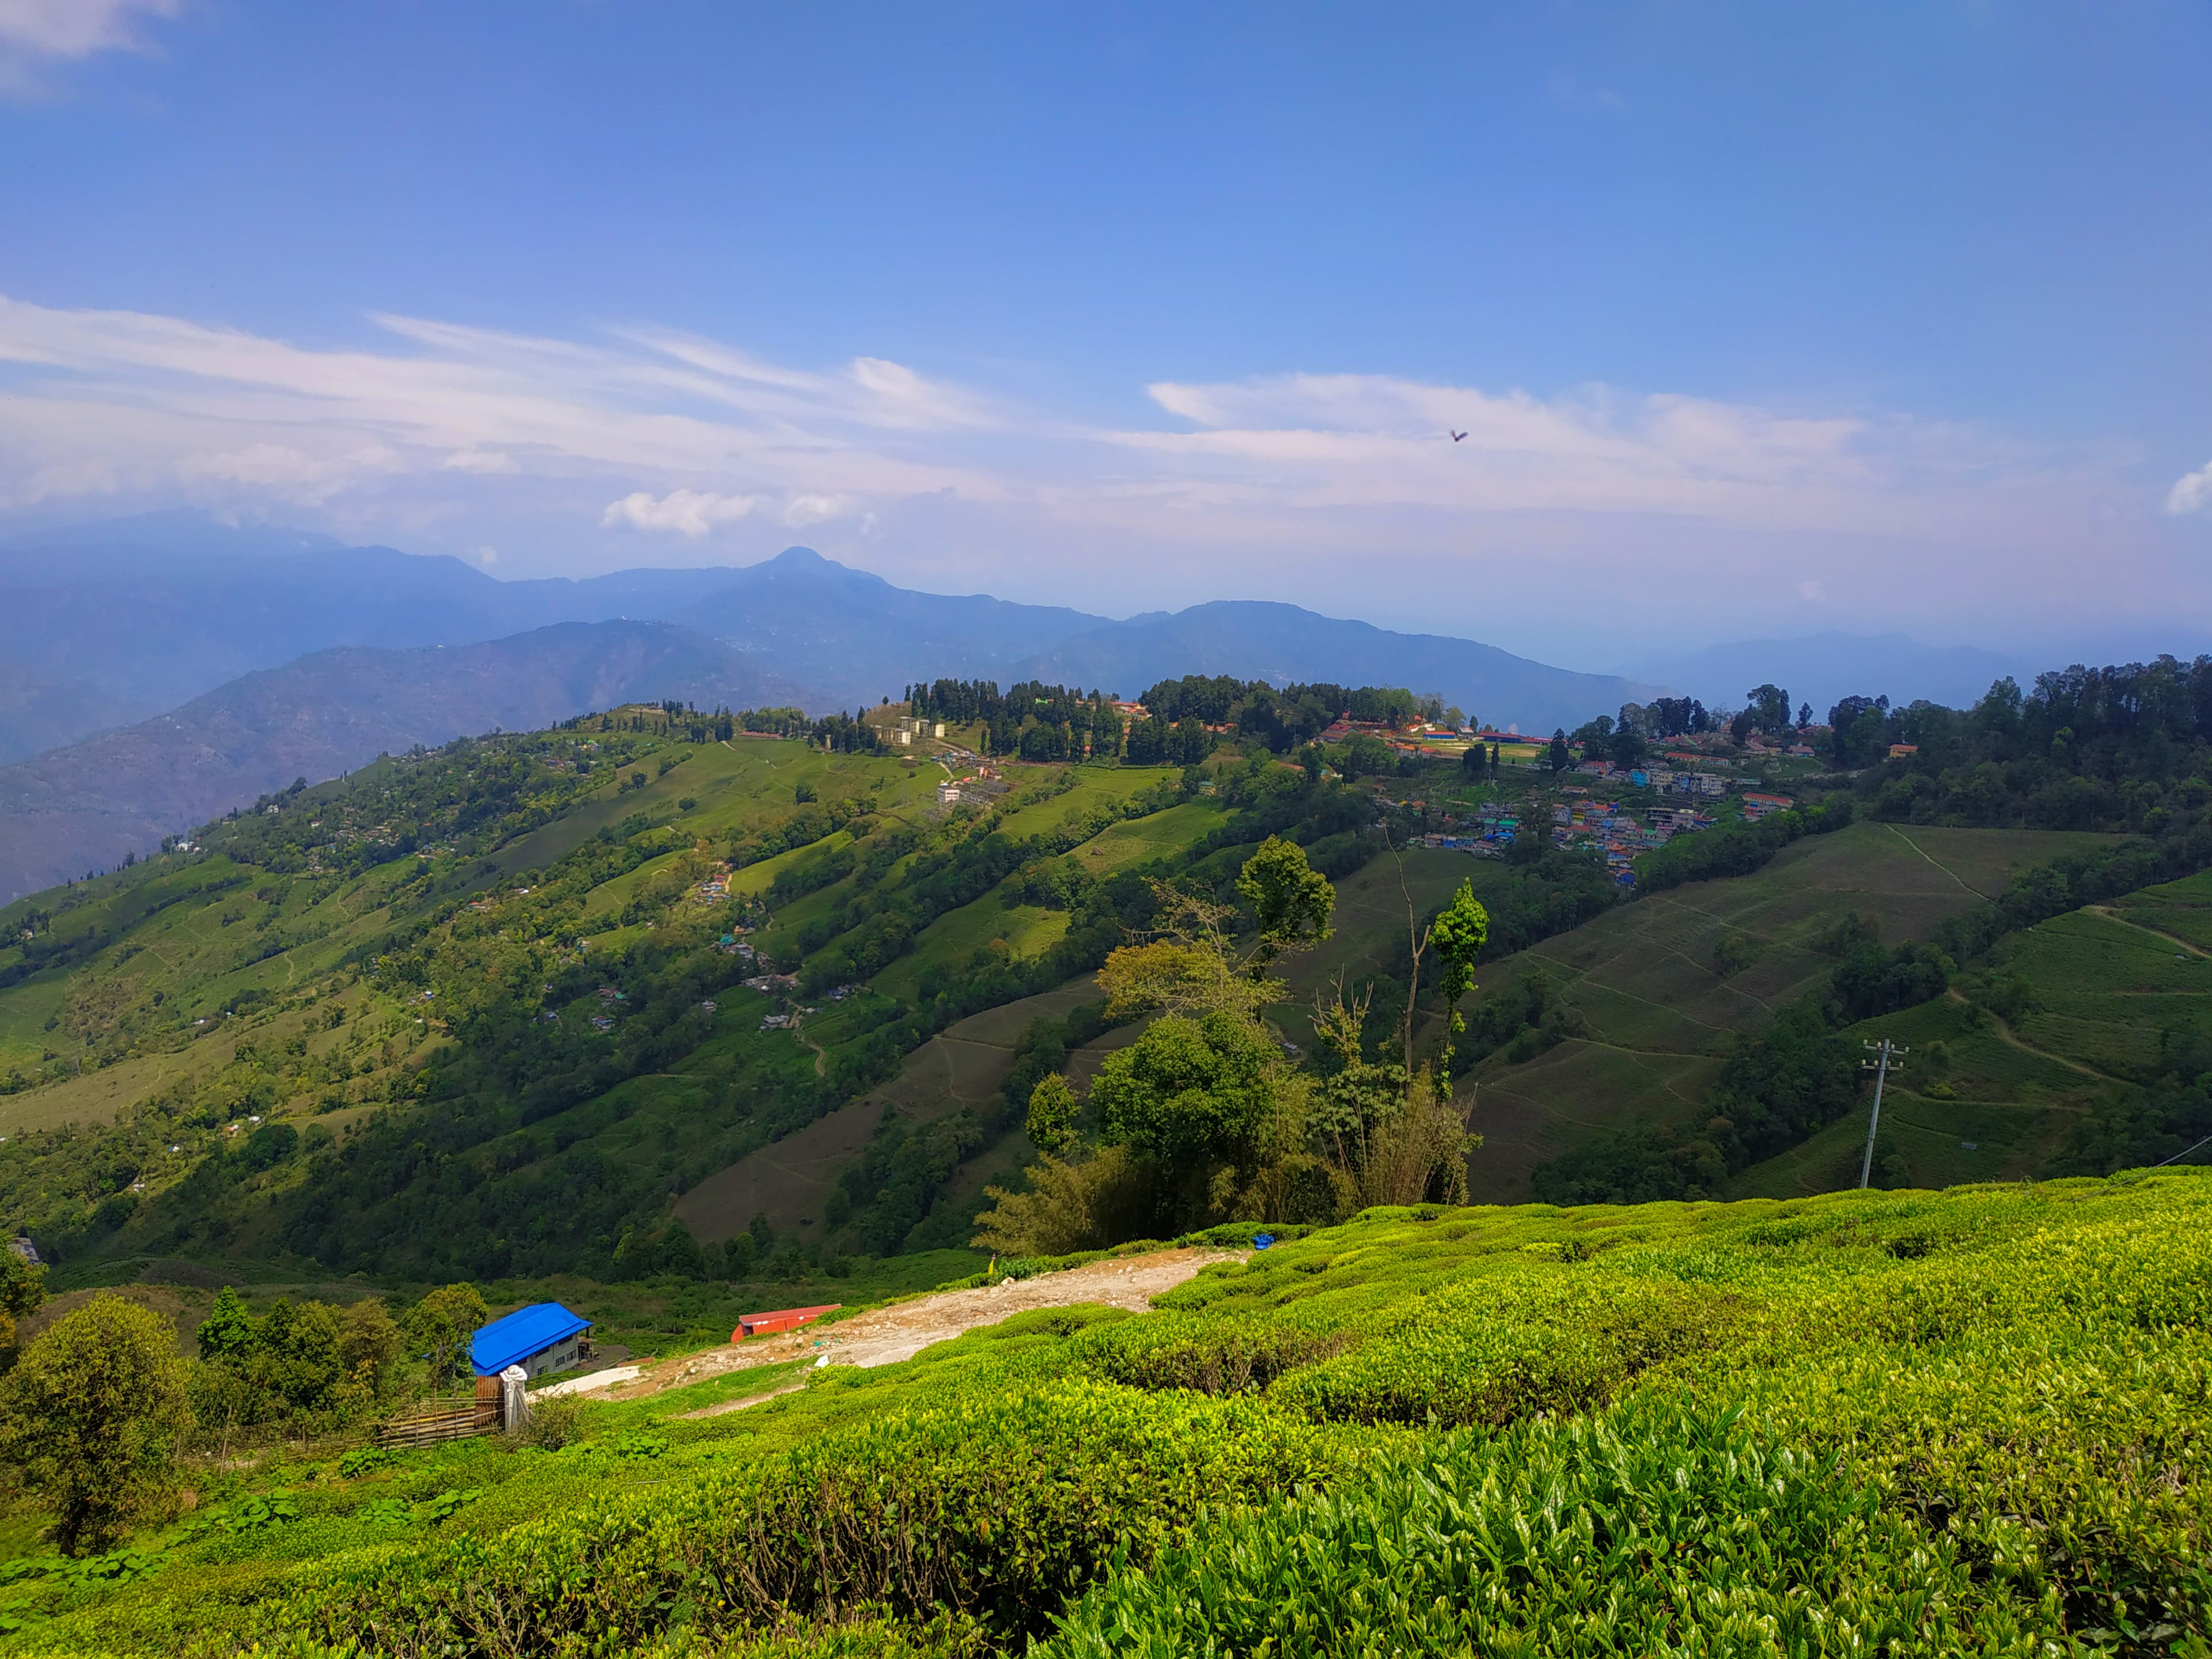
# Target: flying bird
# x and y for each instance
(1456, 436)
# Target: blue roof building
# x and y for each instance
(541, 1337)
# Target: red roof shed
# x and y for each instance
(783, 1319)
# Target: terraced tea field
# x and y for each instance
(2108, 988)
(1660, 1002)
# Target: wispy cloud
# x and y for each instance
(1310, 441)
(2191, 492)
(37, 33)
(180, 403)
(1659, 501)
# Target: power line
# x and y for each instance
(2184, 1152)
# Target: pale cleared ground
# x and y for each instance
(884, 1336)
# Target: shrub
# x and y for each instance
(999, 1508)
(553, 1423)
(1650, 1532)
(1545, 1340)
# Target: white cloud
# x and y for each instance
(1336, 489)
(35, 35)
(276, 469)
(802, 510)
(685, 512)
(486, 556)
(75, 28)
(2191, 492)
(1352, 441)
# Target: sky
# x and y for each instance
(1757, 320)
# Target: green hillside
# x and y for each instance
(671, 1022)
(1908, 1422)
(582, 1002)
(2078, 1045)
(1647, 1001)
(483, 1012)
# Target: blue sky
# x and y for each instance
(1758, 318)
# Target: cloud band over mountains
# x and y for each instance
(439, 431)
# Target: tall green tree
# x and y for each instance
(229, 1332)
(91, 1416)
(1769, 707)
(440, 1328)
(368, 1345)
(1457, 937)
(1188, 1089)
(1291, 900)
(1053, 1108)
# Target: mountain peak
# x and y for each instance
(804, 564)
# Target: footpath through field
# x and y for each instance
(884, 1336)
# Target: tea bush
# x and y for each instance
(998, 1508)
(1883, 1422)
(1645, 1532)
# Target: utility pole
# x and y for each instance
(1887, 1055)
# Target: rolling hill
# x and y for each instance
(1660, 991)
(85, 806)
(2074, 1050)
(624, 975)
(1282, 643)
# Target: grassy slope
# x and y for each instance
(1659, 1013)
(197, 956)
(2108, 983)
(964, 1064)
(786, 1181)
(188, 941)
(1982, 1366)
(1370, 922)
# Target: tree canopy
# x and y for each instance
(91, 1415)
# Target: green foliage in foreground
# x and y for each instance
(1901, 1423)
(1661, 1532)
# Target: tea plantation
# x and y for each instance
(1910, 1422)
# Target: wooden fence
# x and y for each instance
(429, 1421)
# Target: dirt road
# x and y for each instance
(884, 1336)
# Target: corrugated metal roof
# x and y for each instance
(521, 1334)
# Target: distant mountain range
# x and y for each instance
(270, 654)
(83, 807)
(156, 610)
(159, 609)
(1254, 640)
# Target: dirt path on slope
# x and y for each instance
(884, 1336)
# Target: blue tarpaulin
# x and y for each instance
(524, 1332)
